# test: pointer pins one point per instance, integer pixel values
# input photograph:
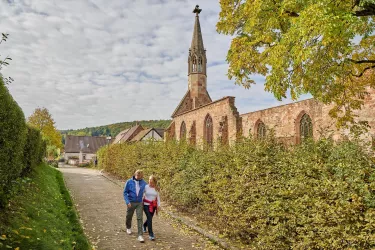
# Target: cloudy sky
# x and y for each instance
(97, 62)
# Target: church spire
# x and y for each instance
(197, 53)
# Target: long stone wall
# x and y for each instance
(285, 119)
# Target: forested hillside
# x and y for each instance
(114, 129)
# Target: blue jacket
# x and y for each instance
(130, 194)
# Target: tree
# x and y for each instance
(5, 62)
(322, 47)
(42, 120)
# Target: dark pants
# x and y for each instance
(148, 222)
(137, 206)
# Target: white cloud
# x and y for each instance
(96, 62)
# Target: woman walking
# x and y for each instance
(151, 204)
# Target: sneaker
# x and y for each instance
(128, 231)
(152, 238)
(140, 239)
(144, 229)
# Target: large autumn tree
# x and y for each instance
(42, 120)
(322, 47)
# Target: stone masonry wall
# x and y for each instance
(217, 110)
(284, 120)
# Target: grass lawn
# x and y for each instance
(41, 215)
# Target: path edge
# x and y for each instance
(180, 219)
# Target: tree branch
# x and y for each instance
(366, 10)
(291, 13)
(361, 61)
(364, 70)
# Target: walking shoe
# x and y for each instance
(144, 229)
(140, 239)
(152, 238)
(128, 231)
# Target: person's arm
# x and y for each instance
(158, 200)
(126, 193)
(144, 193)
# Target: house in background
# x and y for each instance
(80, 149)
(149, 134)
(138, 133)
(128, 134)
(120, 136)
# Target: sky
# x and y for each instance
(98, 62)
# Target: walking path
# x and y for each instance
(102, 211)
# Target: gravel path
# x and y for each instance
(102, 211)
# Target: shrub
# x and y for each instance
(53, 163)
(34, 149)
(85, 165)
(13, 132)
(317, 195)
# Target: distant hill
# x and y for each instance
(114, 129)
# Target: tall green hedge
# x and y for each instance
(319, 195)
(13, 132)
(34, 149)
(21, 148)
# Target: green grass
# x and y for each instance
(41, 215)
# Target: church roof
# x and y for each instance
(179, 106)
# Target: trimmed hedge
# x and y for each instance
(13, 134)
(319, 195)
(21, 148)
(34, 150)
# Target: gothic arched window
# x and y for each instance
(183, 131)
(194, 64)
(193, 134)
(208, 130)
(200, 64)
(261, 130)
(306, 128)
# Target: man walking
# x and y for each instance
(133, 194)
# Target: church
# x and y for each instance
(200, 120)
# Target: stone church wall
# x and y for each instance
(285, 120)
(226, 121)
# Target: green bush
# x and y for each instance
(13, 133)
(318, 195)
(34, 149)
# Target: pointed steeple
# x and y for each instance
(197, 53)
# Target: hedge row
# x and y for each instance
(21, 148)
(319, 195)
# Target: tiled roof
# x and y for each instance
(160, 131)
(120, 135)
(141, 134)
(88, 144)
(130, 133)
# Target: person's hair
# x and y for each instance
(153, 178)
(138, 171)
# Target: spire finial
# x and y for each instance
(197, 10)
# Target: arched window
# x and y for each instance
(208, 130)
(261, 130)
(194, 64)
(193, 134)
(200, 64)
(306, 128)
(183, 131)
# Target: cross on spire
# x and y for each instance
(197, 10)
